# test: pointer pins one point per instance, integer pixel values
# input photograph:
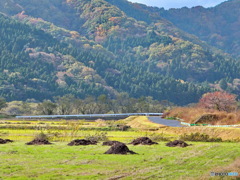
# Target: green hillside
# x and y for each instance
(218, 26)
(34, 65)
(97, 47)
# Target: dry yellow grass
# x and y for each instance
(143, 123)
(224, 133)
(191, 114)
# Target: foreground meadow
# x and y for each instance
(59, 161)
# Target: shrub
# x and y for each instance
(157, 137)
(199, 137)
(41, 136)
(97, 136)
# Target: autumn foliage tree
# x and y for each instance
(220, 101)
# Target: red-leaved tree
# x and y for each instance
(220, 101)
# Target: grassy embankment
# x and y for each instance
(59, 161)
(191, 114)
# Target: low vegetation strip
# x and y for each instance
(227, 134)
(188, 124)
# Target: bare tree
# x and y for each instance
(220, 101)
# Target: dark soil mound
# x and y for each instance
(119, 148)
(143, 141)
(4, 141)
(177, 143)
(78, 142)
(38, 142)
(111, 143)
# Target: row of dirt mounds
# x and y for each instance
(38, 142)
(119, 148)
(143, 141)
(5, 141)
(78, 142)
(177, 143)
(116, 146)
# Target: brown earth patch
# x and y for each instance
(5, 141)
(119, 148)
(110, 143)
(84, 142)
(143, 141)
(39, 142)
(176, 143)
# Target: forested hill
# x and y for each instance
(51, 48)
(218, 26)
(36, 65)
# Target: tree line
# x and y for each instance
(68, 104)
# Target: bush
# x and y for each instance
(97, 136)
(199, 137)
(157, 137)
(41, 136)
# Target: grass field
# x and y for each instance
(59, 161)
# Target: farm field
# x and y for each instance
(59, 161)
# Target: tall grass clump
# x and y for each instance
(41, 136)
(97, 136)
(157, 136)
(199, 137)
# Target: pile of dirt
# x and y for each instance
(38, 142)
(5, 141)
(110, 143)
(178, 143)
(119, 148)
(78, 142)
(143, 141)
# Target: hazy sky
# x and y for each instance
(179, 3)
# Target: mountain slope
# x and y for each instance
(33, 65)
(106, 51)
(219, 26)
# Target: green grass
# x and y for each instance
(59, 161)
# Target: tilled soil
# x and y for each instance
(78, 142)
(5, 141)
(110, 143)
(38, 142)
(143, 141)
(178, 143)
(119, 148)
